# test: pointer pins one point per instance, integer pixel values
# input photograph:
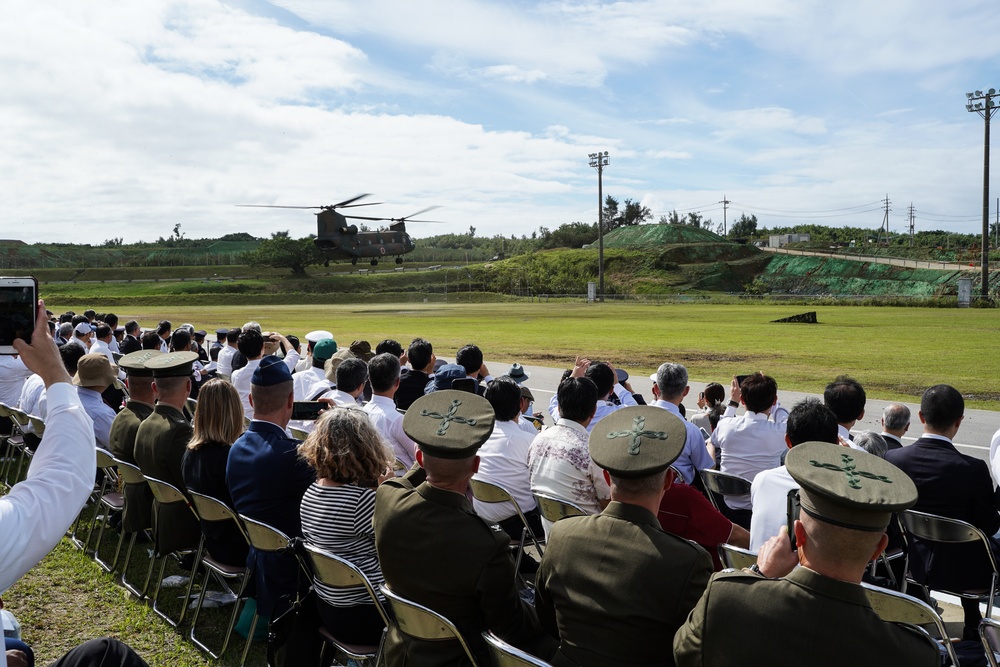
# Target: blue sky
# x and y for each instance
(122, 119)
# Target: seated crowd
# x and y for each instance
(382, 479)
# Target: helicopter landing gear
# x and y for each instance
(354, 260)
(374, 262)
(399, 260)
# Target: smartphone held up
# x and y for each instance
(18, 301)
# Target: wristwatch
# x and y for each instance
(756, 570)
(734, 404)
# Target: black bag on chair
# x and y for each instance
(293, 638)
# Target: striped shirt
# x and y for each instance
(339, 520)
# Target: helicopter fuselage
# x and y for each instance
(339, 240)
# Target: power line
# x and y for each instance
(830, 210)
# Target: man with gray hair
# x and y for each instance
(895, 422)
(670, 386)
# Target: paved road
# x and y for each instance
(973, 438)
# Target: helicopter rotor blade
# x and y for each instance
(348, 202)
(273, 206)
(365, 217)
(413, 215)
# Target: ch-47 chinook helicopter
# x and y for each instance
(338, 239)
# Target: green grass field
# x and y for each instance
(894, 352)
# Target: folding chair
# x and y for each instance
(298, 433)
(736, 558)
(107, 502)
(130, 476)
(553, 508)
(266, 539)
(989, 635)
(211, 510)
(936, 529)
(167, 495)
(19, 420)
(894, 607)
(335, 572)
(505, 655)
(487, 492)
(191, 405)
(419, 622)
(723, 484)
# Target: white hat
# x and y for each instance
(83, 328)
(317, 336)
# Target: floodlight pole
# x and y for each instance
(986, 109)
(600, 161)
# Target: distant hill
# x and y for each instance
(656, 235)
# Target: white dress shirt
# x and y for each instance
(503, 460)
(694, 457)
(750, 443)
(304, 381)
(384, 417)
(35, 514)
(769, 496)
(100, 347)
(241, 380)
(343, 399)
(13, 374)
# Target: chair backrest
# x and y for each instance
(37, 425)
(505, 655)
(336, 572)
(895, 607)
(264, 537)
(397, 465)
(129, 472)
(553, 508)
(486, 492)
(934, 528)
(419, 622)
(298, 433)
(20, 417)
(989, 634)
(724, 483)
(105, 460)
(4, 410)
(165, 493)
(736, 557)
(191, 405)
(213, 510)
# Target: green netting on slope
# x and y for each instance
(812, 275)
(649, 235)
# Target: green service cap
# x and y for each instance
(637, 441)
(449, 424)
(848, 487)
(172, 364)
(324, 349)
(135, 363)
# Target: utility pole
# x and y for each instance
(600, 161)
(725, 205)
(986, 109)
(885, 223)
(911, 224)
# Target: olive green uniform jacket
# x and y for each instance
(435, 551)
(159, 447)
(802, 619)
(615, 586)
(138, 513)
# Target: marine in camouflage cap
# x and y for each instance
(134, 364)
(172, 364)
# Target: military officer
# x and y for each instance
(139, 380)
(160, 442)
(816, 613)
(613, 585)
(435, 551)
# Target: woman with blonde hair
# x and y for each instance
(218, 422)
(350, 459)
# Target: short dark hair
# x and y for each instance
(250, 343)
(66, 317)
(102, 331)
(759, 392)
(602, 376)
(811, 421)
(131, 327)
(390, 346)
(419, 353)
(846, 397)
(111, 320)
(470, 357)
(150, 341)
(89, 314)
(163, 327)
(942, 405)
(383, 371)
(79, 319)
(505, 396)
(180, 339)
(351, 374)
(71, 356)
(232, 336)
(577, 399)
